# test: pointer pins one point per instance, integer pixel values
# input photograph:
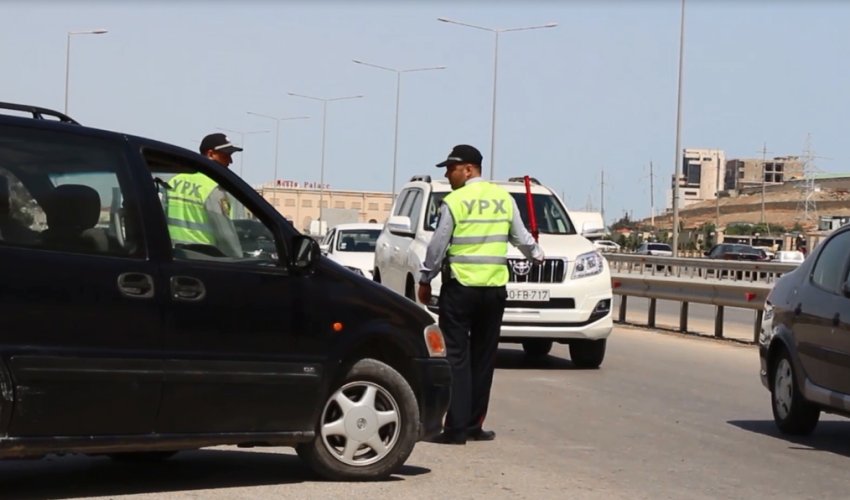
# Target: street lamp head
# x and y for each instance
(99, 31)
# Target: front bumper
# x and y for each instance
(435, 386)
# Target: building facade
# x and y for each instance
(302, 202)
(754, 172)
(703, 174)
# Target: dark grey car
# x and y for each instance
(804, 344)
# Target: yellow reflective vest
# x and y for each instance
(186, 211)
(482, 214)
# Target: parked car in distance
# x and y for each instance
(803, 346)
(139, 322)
(656, 249)
(769, 254)
(789, 257)
(353, 245)
(735, 251)
(606, 246)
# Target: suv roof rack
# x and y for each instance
(522, 179)
(423, 178)
(38, 113)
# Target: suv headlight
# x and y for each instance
(588, 264)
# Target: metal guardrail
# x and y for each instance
(720, 283)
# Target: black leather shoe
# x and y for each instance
(481, 435)
(444, 438)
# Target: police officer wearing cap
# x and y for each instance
(198, 211)
(477, 220)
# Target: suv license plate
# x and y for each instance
(529, 295)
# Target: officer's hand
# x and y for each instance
(424, 293)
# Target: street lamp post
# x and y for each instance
(242, 135)
(68, 57)
(497, 32)
(678, 169)
(398, 73)
(324, 102)
(276, 143)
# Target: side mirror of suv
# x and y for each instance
(305, 252)
(400, 224)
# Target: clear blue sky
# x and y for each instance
(597, 92)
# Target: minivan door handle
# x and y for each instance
(187, 289)
(135, 285)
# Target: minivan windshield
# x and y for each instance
(550, 214)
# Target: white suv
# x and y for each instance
(565, 300)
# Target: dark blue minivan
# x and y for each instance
(117, 340)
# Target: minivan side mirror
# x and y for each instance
(324, 247)
(400, 224)
(305, 252)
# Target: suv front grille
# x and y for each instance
(523, 271)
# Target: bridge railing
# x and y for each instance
(720, 283)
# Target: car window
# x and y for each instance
(550, 216)
(432, 212)
(415, 207)
(830, 270)
(357, 240)
(205, 220)
(402, 207)
(65, 192)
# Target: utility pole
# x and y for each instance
(651, 197)
(763, 181)
(717, 197)
(602, 196)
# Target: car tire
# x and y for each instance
(536, 348)
(587, 353)
(367, 427)
(142, 456)
(792, 414)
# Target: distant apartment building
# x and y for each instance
(753, 172)
(299, 202)
(703, 174)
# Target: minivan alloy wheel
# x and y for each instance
(360, 423)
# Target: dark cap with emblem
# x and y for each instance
(462, 153)
(218, 142)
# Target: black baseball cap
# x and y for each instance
(218, 142)
(462, 153)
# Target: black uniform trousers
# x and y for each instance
(471, 320)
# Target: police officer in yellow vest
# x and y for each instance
(198, 210)
(477, 221)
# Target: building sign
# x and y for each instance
(300, 185)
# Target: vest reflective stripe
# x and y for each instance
(477, 254)
(469, 240)
(483, 221)
(186, 212)
(477, 259)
